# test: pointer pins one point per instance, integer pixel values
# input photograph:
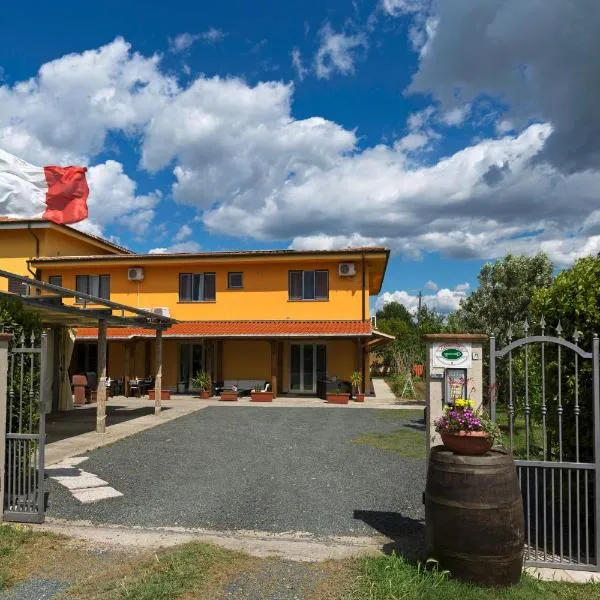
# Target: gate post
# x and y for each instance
(596, 403)
(4, 339)
(446, 352)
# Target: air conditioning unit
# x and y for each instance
(163, 311)
(347, 269)
(135, 274)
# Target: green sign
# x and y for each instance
(451, 354)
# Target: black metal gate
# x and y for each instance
(25, 431)
(550, 410)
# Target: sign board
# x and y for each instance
(451, 355)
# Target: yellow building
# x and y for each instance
(290, 318)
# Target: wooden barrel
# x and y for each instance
(474, 516)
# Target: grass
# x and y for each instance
(19, 550)
(519, 436)
(197, 570)
(393, 578)
(408, 440)
(192, 570)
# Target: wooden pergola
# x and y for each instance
(47, 301)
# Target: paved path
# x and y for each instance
(274, 470)
(383, 392)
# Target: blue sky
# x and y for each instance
(449, 132)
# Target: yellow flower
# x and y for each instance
(464, 403)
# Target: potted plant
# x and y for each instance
(164, 394)
(203, 383)
(356, 380)
(339, 396)
(465, 430)
(231, 395)
(259, 395)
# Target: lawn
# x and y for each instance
(407, 441)
(392, 578)
(202, 571)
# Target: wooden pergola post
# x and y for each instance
(127, 369)
(274, 367)
(158, 378)
(101, 389)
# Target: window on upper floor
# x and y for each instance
(235, 281)
(308, 285)
(16, 286)
(197, 287)
(55, 280)
(94, 285)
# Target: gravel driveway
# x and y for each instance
(267, 469)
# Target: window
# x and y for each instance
(235, 281)
(308, 285)
(94, 285)
(55, 280)
(16, 286)
(197, 287)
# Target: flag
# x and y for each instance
(58, 194)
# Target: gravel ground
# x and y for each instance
(36, 589)
(276, 580)
(266, 469)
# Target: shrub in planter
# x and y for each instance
(203, 382)
(258, 395)
(337, 398)
(356, 380)
(164, 395)
(465, 430)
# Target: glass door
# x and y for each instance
(190, 362)
(308, 364)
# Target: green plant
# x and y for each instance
(356, 380)
(257, 387)
(202, 381)
(462, 417)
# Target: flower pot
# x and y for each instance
(164, 395)
(337, 398)
(467, 443)
(228, 396)
(359, 397)
(205, 394)
(418, 370)
(261, 397)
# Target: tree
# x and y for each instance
(503, 296)
(573, 300)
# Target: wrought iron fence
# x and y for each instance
(550, 412)
(25, 431)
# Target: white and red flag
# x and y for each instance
(58, 194)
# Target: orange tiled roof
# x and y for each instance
(240, 329)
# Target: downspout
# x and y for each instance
(35, 274)
(364, 283)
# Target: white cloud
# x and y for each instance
(443, 301)
(213, 35)
(301, 70)
(541, 65)
(63, 114)
(181, 247)
(396, 8)
(184, 41)
(184, 232)
(113, 199)
(432, 285)
(337, 52)
(251, 169)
